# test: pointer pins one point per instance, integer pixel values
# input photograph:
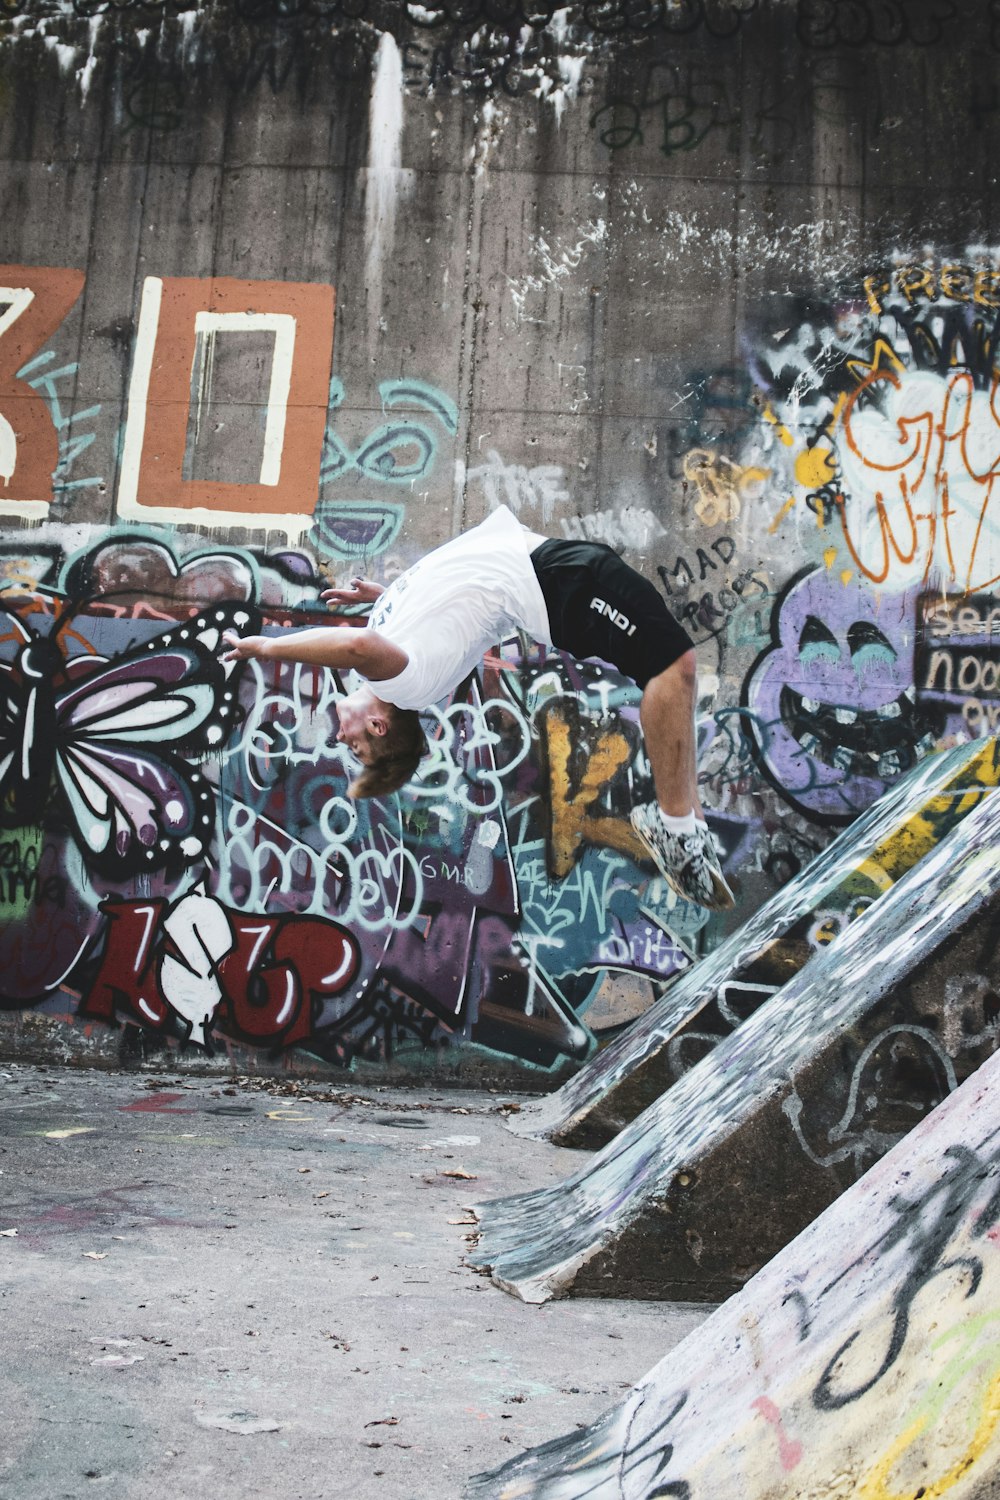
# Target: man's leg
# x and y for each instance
(673, 829)
(667, 717)
(600, 607)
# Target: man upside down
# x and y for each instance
(433, 624)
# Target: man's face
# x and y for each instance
(355, 729)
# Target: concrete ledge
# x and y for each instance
(862, 1364)
(722, 1171)
(859, 866)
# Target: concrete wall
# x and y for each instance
(293, 293)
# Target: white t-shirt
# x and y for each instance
(457, 603)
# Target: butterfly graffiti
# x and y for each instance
(113, 744)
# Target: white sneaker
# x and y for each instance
(687, 861)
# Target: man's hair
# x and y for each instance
(397, 755)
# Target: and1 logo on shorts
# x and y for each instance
(622, 621)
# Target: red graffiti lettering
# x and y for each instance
(280, 968)
(269, 984)
(127, 982)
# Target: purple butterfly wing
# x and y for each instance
(173, 690)
(123, 735)
(136, 810)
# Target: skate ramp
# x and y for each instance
(769, 1128)
(716, 994)
(862, 1364)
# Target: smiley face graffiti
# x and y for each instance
(832, 698)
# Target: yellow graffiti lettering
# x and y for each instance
(876, 1485)
(573, 789)
(956, 283)
(920, 833)
(873, 294)
(722, 485)
(986, 289)
(814, 468)
(884, 357)
(914, 279)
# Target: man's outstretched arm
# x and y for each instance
(340, 647)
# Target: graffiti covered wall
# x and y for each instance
(294, 293)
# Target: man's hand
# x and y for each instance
(358, 591)
(243, 647)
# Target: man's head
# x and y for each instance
(388, 741)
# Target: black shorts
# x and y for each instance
(599, 606)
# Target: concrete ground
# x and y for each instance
(234, 1289)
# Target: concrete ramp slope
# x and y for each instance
(717, 993)
(863, 1363)
(769, 1128)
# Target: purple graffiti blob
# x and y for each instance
(832, 700)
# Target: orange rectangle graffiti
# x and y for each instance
(175, 312)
